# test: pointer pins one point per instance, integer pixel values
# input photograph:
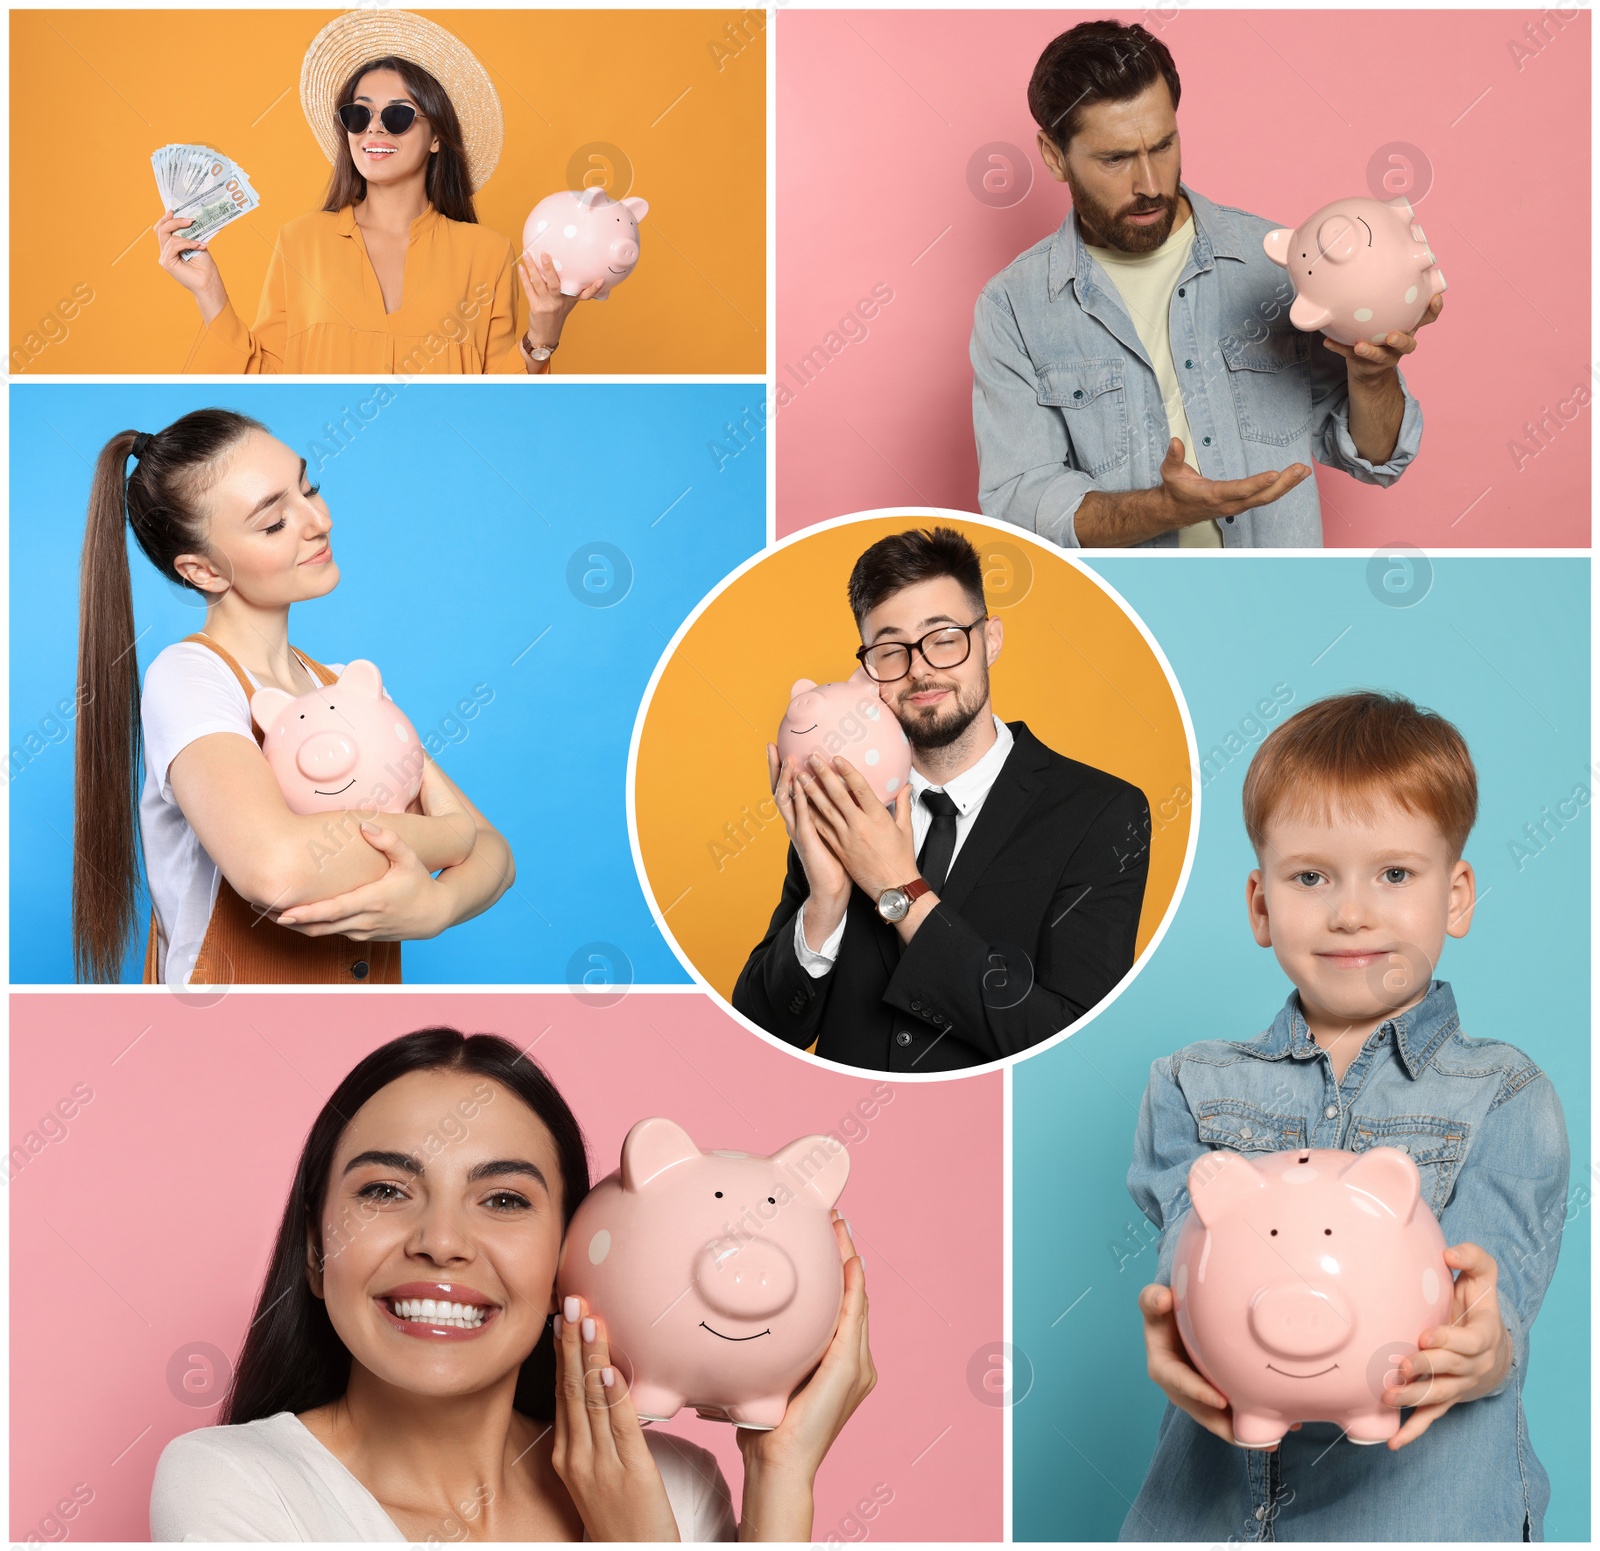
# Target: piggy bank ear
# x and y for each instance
(591, 197)
(819, 1164)
(1220, 1181)
(266, 704)
(861, 676)
(1277, 245)
(800, 686)
(363, 677)
(651, 1148)
(638, 206)
(1388, 1177)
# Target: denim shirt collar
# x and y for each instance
(1418, 1032)
(1215, 236)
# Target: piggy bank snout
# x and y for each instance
(1339, 237)
(1298, 1320)
(625, 251)
(326, 756)
(747, 1278)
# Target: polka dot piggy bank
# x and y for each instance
(590, 236)
(341, 745)
(1361, 269)
(1300, 1280)
(717, 1274)
(847, 719)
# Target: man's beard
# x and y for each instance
(1111, 230)
(938, 729)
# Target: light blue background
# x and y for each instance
(1499, 646)
(457, 509)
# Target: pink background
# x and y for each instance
(148, 1226)
(880, 112)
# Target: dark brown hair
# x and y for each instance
(449, 184)
(1095, 62)
(1356, 751)
(918, 555)
(293, 1359)
(160, 501)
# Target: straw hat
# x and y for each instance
(358, 37)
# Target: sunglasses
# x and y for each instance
(397, 118)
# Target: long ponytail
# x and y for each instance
(159, 500)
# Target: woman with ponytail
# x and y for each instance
(241, 888)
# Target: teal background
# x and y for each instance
(465, 518)
(1501, 647)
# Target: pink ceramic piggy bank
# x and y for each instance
(847, 719)
(717, 1274)
(590, 236)
(342, 745)
(1361, 268)
(1301, 1279)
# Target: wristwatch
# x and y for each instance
(537, 352)
(895, 904)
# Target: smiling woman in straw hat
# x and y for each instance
(393, 274)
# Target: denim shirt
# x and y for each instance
(1065, 400)
(1484, 1127)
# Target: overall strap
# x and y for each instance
(324, 675)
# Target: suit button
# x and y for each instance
(360, 969)
(903, 1037)
(916, 1007)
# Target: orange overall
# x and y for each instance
(242, 947)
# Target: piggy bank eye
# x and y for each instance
(719, 1195)
(772, 1201)
(302, 716)
(1328, 1231)
(1274, 1233)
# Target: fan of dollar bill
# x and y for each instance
(204, 184)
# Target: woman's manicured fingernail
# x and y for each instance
(586, 1329)
(847, 1228)
(369, 829)
(608, 1377)
(287, 920)
(557, 1327)
(570, 1308)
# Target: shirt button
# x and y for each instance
(1227, 519)
(1261, 1512)
(1331, 1111)
(1246, 1132)
(1180, 290)
(1077, 393)
(1402, 1147)
(1206, 440)
(360, 969)
(903, 1037)
(1189, 364)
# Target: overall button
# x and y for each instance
(903, 1037)
(360, 969)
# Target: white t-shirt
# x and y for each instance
(1145, 281)
(189, 691)
(274, 1480)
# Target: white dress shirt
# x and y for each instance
(967, 791)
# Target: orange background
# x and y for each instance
(1073, 666)
(94, 93)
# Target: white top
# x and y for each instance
(1146, 282)
(966, 791)
(274, 1480)
(189, 691)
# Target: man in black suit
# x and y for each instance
(995, 904)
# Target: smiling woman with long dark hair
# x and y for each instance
(407, 1374)
(394, 274)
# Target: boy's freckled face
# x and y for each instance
(1357, 908)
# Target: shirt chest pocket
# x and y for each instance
(1242, 1127)
(1270, 379)
(1436, 1145)
(1093, 400)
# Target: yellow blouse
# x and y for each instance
(461, 305)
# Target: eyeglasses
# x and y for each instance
(947, 647)
(397, 118)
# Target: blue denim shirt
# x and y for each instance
(1065, 400)
(1484, 1127)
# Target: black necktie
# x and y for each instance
(939, 845)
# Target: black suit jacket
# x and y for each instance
(1035, 924)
